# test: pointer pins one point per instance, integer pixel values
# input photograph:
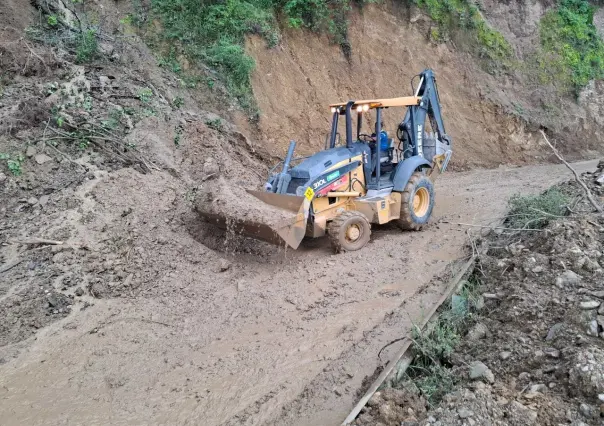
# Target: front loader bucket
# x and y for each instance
(266, 216)
(290, 229)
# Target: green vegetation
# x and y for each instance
(86, 46)
(215, 124)
(52, 20)
(13, 163)
(573, 53)
(145, 95)
(178, 102)
(535, 211)
(213, 32)
(450, 15)
(430, 370)
(170, 62)
(178, 135)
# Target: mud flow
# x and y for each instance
(164, 328)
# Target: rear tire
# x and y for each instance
(349, 231)
(417, 202)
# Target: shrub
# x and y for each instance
(236, 65)
(433, 346)
(573, 53)
(535, 211)
(214, 32)
(86, 46)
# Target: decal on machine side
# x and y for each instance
(309, 193)
(333, 175)
(322, 181)
(332, 186)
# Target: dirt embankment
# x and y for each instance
(485, 115)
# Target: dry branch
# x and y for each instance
(37, 241)
(588, 193)
(10, 265)
(491, 227)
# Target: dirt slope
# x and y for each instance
(138, 312)
(296, 81)
(533, 348)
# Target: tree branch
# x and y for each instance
(588, 193)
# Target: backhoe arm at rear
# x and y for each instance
(412, 130)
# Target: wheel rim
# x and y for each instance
(353, 233)
(421, 202)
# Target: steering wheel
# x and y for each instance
(365, 137)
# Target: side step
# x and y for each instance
(380, 209)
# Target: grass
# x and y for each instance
(535, 211)
(430, 370)
(572, 52)
(86, 46)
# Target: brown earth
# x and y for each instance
(538, 329)
(196, 333)
(487, 116)
(145, 314)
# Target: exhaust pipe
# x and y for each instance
(282, 180)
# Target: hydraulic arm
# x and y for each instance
(411, 130)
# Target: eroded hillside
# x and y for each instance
(116, 115)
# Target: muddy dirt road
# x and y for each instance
(265, 337)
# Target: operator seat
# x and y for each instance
(385, 156)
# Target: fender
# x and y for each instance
(405, 169)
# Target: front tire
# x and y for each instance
(349, 231)
(417, 202)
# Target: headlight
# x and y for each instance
(360, 108)
(333, 109)
(365, 107)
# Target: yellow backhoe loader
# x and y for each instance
(343, 189)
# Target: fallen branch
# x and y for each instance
(588, 193)
(37, 241)
(10, 265)
(34, 54)
(490, 227)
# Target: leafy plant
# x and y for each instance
(178, 102)
(13, 164)
(145, 95)
(86, 46)
(52, 20)
(215, 124)
(535, 211)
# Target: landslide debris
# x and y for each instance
(535, 354)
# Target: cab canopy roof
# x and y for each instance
(404, 101)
